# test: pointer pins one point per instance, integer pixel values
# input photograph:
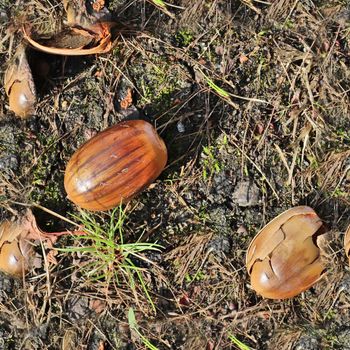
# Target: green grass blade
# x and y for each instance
(221, 92)
(238, 343)
(162, 6)
(133, 326)
(132, 319)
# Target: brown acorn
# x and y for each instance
(115, 165)
(347, 243)
(19, 85)
(284, 258)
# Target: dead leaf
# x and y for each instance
(85, 13)
(101, 346)
(347, 243)
(69, 341)
(97, 305)
(76, 12)
(126, 102)
(243, 58)
(51, 257)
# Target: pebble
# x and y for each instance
(180, 127)
(8, 162)
(3, 17)
(78, 308)
(344, 284)
(219, 246)
(246, 194)
(307, 342)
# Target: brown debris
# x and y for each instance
(98, 5)
(126, 102)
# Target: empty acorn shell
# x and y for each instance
(284, 259)
(19, 85)
(347, 243)
(115, 165)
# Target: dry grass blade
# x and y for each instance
(331, 173)
(187, 256)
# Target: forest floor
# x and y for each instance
(252, 101)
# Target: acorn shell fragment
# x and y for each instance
(15, 252)
(19, 85)
(75, 40)
(115, 165)
(284, 259)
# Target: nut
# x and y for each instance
(115, 165)
(19, 85)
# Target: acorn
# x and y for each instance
(115, 165)
(284, 259)
(347, 243)
(19, 85)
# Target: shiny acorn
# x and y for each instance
(284, 258)
(19, 85)
(115, 165)
(347, 243)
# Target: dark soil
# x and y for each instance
(252, 100)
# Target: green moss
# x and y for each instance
(210, 162)
(183, 38)
(158, 84)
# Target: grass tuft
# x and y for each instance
(108, 257)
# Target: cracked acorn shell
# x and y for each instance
(284, 259)
(347, 243)
(15, 252)
(115, 165)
